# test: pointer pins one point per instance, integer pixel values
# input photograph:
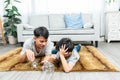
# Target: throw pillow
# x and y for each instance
(73, 21)
(27, 26)
(88, 25)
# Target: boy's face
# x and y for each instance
(67, 54)
(40, 42)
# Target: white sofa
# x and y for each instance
(57, 29)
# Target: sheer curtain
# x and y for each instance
(69, 6)
(36, 7)
(63, 6)
(25, 8)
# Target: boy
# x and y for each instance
(39, 45)
(67, 54)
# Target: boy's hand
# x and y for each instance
(49, 58)
(62, 50)
(53, 56)
(30, 55)
(46, 58)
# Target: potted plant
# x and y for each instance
(11, 20)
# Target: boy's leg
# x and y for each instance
(78, 47)
(54, 51)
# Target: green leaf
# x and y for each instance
(18, 14)
(14, 8)
(5, 34)
(7, 3)
(16, 11)
(5, 15)
(13, 28)
(17, 1)
(7, 10)
(11, 13)
(17, 20)
(113, 0)
(8, 31)
(6, 24)
(14, 34)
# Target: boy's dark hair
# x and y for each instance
(41, 31)
(68, 44)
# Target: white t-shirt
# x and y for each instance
(30, 44)
(72, 59)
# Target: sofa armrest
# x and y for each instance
(19, 32)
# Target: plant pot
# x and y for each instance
(12, 40)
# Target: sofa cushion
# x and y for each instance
(73, 21)
(39, 20)
(27, 26)
(56, 21)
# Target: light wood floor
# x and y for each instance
(110, 50)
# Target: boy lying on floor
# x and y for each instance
(66, 53)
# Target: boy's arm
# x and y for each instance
(72, 60)
(66, 66)
(28, 54)
(22, 58)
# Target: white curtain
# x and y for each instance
(69, 6)
(25, 8)
(64, 6)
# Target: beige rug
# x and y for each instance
(90, 60)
